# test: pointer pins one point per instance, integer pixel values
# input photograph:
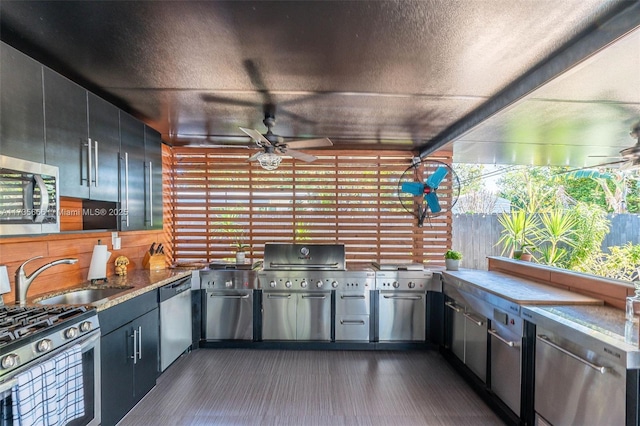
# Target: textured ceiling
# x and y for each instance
(401, 74)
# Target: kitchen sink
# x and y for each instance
(82, 297)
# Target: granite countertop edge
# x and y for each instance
(141, 281)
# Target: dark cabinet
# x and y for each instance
(153, 187)
(132, 173)
(82, 139)
(104, 135)
(21, 107)
(129, 355)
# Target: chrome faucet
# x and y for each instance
(23, 281)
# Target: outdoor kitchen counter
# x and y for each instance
(515, 289)
(141, 281)
(604, 323)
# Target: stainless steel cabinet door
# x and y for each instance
(314, 316)
(475, 356)
(352, 303)
(402, 316)
(352, 327)
(505, 366)
(457, 329)
(229, 315)
(278, 316)
(570, 391)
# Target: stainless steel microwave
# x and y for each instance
(29, 197)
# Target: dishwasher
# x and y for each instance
(175, 320)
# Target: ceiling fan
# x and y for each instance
(273, 146)
(629, 157)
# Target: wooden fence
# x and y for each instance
(476, 235)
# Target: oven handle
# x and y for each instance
(44, 199)
(509, 343)
(311, 296)
(229, 296)
(453, 306)
(403, 297)
(309, 266)
(601, 369)
(352, 322)
(474, 320)
(358, 296)
(278, 296)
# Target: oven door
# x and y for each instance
(402, 316)
(90, 345)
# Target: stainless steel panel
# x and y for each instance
(279, 315)
(175, 328)
(570, 391)
(304, 256)
(227, 279)
(506, 366)
(352, 327)
(229, 315)
(402, 316)
(348, 303)
(457, 329)
(475, 356)
(313, 316)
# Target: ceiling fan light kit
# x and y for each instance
(268, 160)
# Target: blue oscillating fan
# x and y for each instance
(417, 189)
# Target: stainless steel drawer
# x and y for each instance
(352, 303)
(352, 327)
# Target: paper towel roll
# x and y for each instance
(99, 259)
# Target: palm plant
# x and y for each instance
(518, 228)
(558, 228)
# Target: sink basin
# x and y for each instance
(82, 297)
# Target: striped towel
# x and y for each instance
(50, 393)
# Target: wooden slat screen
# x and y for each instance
(347, 197)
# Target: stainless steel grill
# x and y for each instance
(297, 280)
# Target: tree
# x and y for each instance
(470, 176)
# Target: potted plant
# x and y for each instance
(452, 260)
(239, 245)
(517, 232)
(526, 252)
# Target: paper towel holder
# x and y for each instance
(98, 266)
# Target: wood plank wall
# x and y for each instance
(14, 251)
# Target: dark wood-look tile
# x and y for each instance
(273, 387)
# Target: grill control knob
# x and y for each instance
(10, 361)
(288, 284)
(412, 284)
(334, 284)
(272, 284)
(303, 284)
(395, 284)
(71, 332)
(319, 284)
(85, 326)
(44, 345)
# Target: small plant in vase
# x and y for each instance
(239, 245)
(452, 260)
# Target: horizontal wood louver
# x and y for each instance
(347, 197)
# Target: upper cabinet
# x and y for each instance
(21, 106)
(153, 187)
(82, 139)
(132, 173)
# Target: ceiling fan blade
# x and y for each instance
(434, 180)
(256, 136)
(254, 157)
(309, 143)
(432, 201)
(300, 155)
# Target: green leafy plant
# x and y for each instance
(557, 231)
(621, 263)
(517, 231)
(452, 254)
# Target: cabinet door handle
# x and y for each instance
(352, 322)
(140, 342)
(509, 343)
(309, 296)
(473, 319)
(453, 306)
(89, 158)
(135, 346)
(95, 152)
(601, 369)
(403, 297)
(126, 186)
(359, 296)
(151, 193)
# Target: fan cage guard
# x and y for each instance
(449, 188)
